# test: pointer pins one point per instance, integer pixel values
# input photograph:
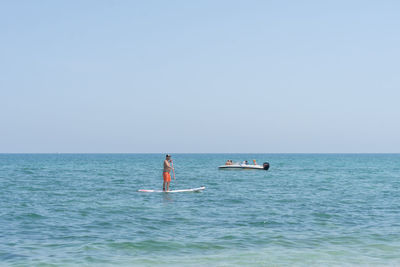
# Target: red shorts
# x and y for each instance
(166, 176)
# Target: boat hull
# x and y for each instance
(241, 166)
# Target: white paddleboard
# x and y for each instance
(173, 191)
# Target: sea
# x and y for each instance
(306, 210)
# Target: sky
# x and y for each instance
(199, 76)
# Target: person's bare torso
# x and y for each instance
(167, 166)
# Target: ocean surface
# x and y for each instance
(306, 210)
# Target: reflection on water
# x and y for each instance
(167, 198)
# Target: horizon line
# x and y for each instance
(55, 153)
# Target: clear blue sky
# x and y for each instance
(200, 76)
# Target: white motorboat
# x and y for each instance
(265, 166)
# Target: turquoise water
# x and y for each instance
(308, 209)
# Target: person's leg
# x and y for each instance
(165, 178)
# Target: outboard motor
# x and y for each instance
(266, 166)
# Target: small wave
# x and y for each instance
(31, 215)
(146, 245)
(27, 171)
(11, 257)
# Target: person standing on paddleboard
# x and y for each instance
(166, 172)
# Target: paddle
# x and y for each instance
(173, 170)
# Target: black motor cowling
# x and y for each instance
(266, 166)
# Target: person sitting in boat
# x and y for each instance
(254, 162)
(245, 162)
(227, 162)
